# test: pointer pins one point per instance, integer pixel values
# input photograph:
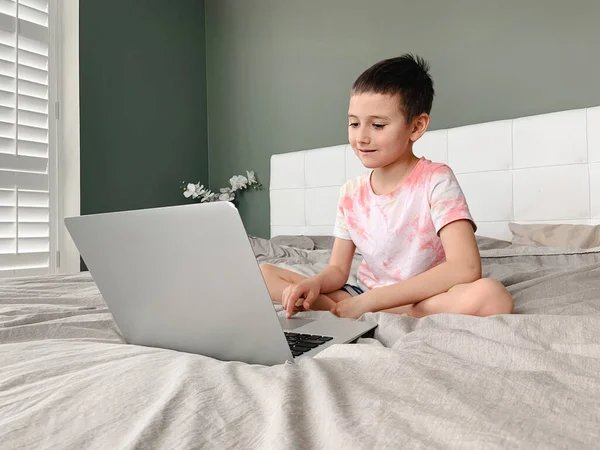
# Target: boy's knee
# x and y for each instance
(267, 269)
(490, 297)
(269, 273)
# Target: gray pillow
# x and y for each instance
(323, 242)
(302, 242)
(556, 235)
(487, 243)
(326, 242)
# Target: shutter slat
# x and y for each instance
(35, 215)
(41, 5)
(8, 197)
(37, 34)
(25, 261)
(30, 89)
(29, 103)
(29, 230)
(8, 145)
(35, 16)
(33, 245)
(34, 199)
(8, 38)
(26, 181)
(8, 214)
(8, 68)
(8, 53)
(9, 230)
(8, 8)
(37, 46)
(8, 23)
(33, 134)
(7, 83)
(7, 130)
(8, 246)
(7, 114)
(32, 181)
(33, 74)
(7, 98)
(23, 163)
(34, 60)
(29, 148)
(30, 118)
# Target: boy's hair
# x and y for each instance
(406, 76)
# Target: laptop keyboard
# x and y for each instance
(302, 343)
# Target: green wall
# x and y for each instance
(143, 102)
(279, 71)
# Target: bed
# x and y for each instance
(522, 381)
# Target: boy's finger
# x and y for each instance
(284, 296)
(290, 295)
(310, 298)
(296, 293)
(290, 308)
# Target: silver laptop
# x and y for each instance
(186, 278)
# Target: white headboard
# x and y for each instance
(537, 169)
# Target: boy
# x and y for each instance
(407, 216)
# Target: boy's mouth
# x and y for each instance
(366, 150)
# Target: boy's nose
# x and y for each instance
(364, 138)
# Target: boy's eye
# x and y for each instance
(353, 124)
(379, 126)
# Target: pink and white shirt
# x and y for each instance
(397, 233)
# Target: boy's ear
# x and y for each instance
(420, 125)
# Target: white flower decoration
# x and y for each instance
(193, 190)
(199, 190)
(227, 197)
(207, 196)
(238, 182)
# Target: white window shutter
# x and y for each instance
(25, 210)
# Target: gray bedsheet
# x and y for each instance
(527, 380)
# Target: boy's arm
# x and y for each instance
(335, 275)
(330, 279)
(462, 265)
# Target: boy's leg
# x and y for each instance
(484, 297)
(277, 279)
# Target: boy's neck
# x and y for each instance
(386, 179)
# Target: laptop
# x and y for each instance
(185, 278)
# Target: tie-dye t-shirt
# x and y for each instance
(397, 233)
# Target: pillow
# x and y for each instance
(323, 242)
(301, 242)
(305, 242)
(556, 235)
(488, 243)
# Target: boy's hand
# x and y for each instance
(300, 294)
(351, 308)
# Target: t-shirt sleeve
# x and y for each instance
(340, 229)
(448, 203)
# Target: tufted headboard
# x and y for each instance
(536, 169)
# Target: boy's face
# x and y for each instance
(377, 130)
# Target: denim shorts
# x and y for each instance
(352, 290)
